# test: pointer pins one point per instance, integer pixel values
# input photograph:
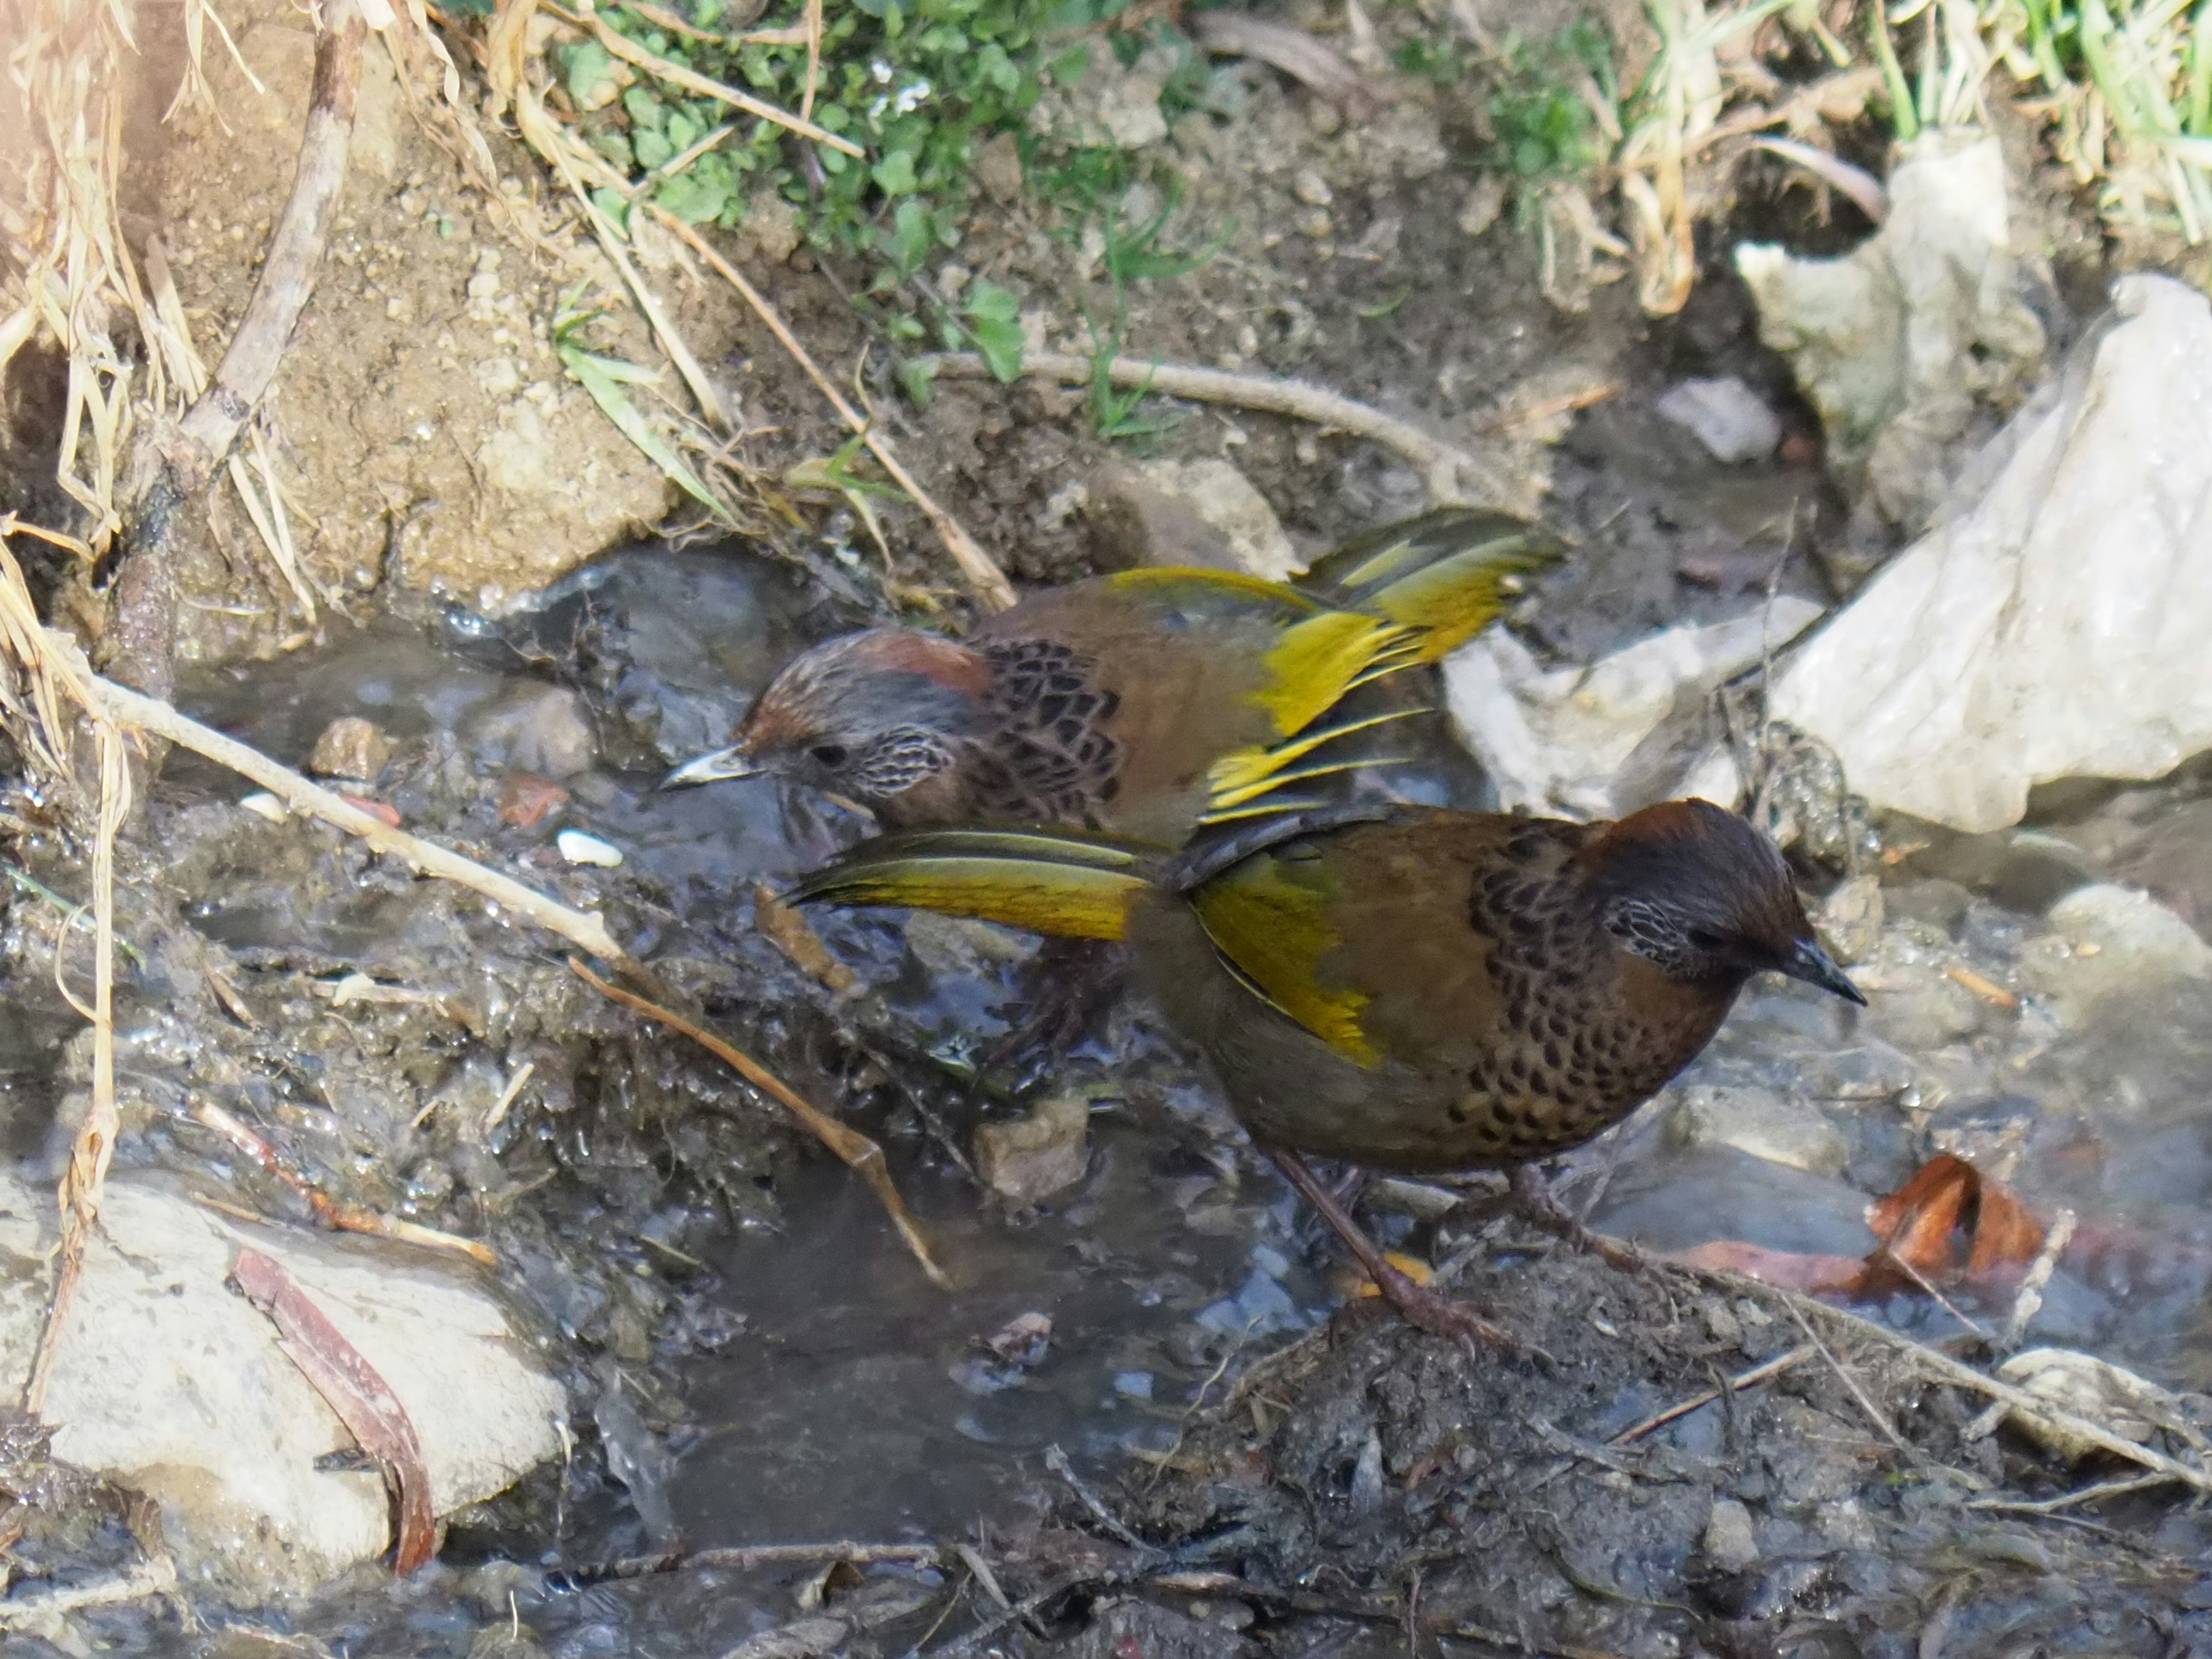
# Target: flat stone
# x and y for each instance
(1029, 1159)
(169, 1383)
(2111, 941)
(1771, 1127)
(1201, 511)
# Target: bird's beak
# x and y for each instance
(723, 763)
(1809, 962)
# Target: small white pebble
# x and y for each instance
(578, 847)
(262, 804)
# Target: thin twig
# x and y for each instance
(339, 1217)
(2068, 1500)
(2027, 1302)
(983, 572)
(1447, 471)
(860, 1154)
(155, 1578)
(86, 1173)
(295, 248)
(1056, 1461)
(1883, 1426)
(1941, 1366)
(1760, 1373)
(746, 1557)
(583, 928)
(676, 75)
(1026, 1608)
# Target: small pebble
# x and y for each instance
(525, 799)
(1316, 224)
(349, 747)
(1725, 415)
(262, 804)
(1029, 1159)
(1729, 1543)
(578, 847)
(1311, 188)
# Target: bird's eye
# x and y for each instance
(830, 754)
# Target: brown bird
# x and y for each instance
(1140, 702)
(1407, 988)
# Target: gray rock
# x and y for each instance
(537, 728)
(1851, 919)
(1729, 1543)
(1202, 511)
(2111, 941)
(1775, 1128)
(169, 1383)
(1028, 1158)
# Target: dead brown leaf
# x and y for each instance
(363, 1401)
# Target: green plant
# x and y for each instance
(1543, 105)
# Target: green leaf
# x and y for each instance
(910, 236)
(603, 378)
(696, 194)
(614, 205)
(894, 174)
(918, 379)
(643, 109)
(991, 303)
(586, 65)
(995, 323)
(651, 147)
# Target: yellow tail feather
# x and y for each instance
(1065, 886)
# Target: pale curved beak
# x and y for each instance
(1809, 962)
(722, 764)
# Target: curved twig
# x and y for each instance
(1447, 471)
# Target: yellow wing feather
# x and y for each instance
(1269, 919)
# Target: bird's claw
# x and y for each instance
(1533, 1201)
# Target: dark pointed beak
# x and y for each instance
(723, 763)
(1809, 962)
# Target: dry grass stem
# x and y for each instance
(983, 572)
(157, 1577)
(859, 1152)
(338, 1217)
(1448, 472)
(1941, 1366)
(744, 1557)
(621, 46)
(1752, 1378)
(581, 928)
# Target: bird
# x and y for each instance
(1142, 702)
(1411, 989)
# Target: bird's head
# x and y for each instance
(867, 717)
(1706, 898)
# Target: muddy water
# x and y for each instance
(844, 1397)
(855, 1400)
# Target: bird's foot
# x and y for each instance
(1425, 1311)
(1534, 1202)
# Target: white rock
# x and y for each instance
(1901, 342)
(172, 1384)
(1725, 414)
(2053, 625)
(578, 847)
(1558, 741)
